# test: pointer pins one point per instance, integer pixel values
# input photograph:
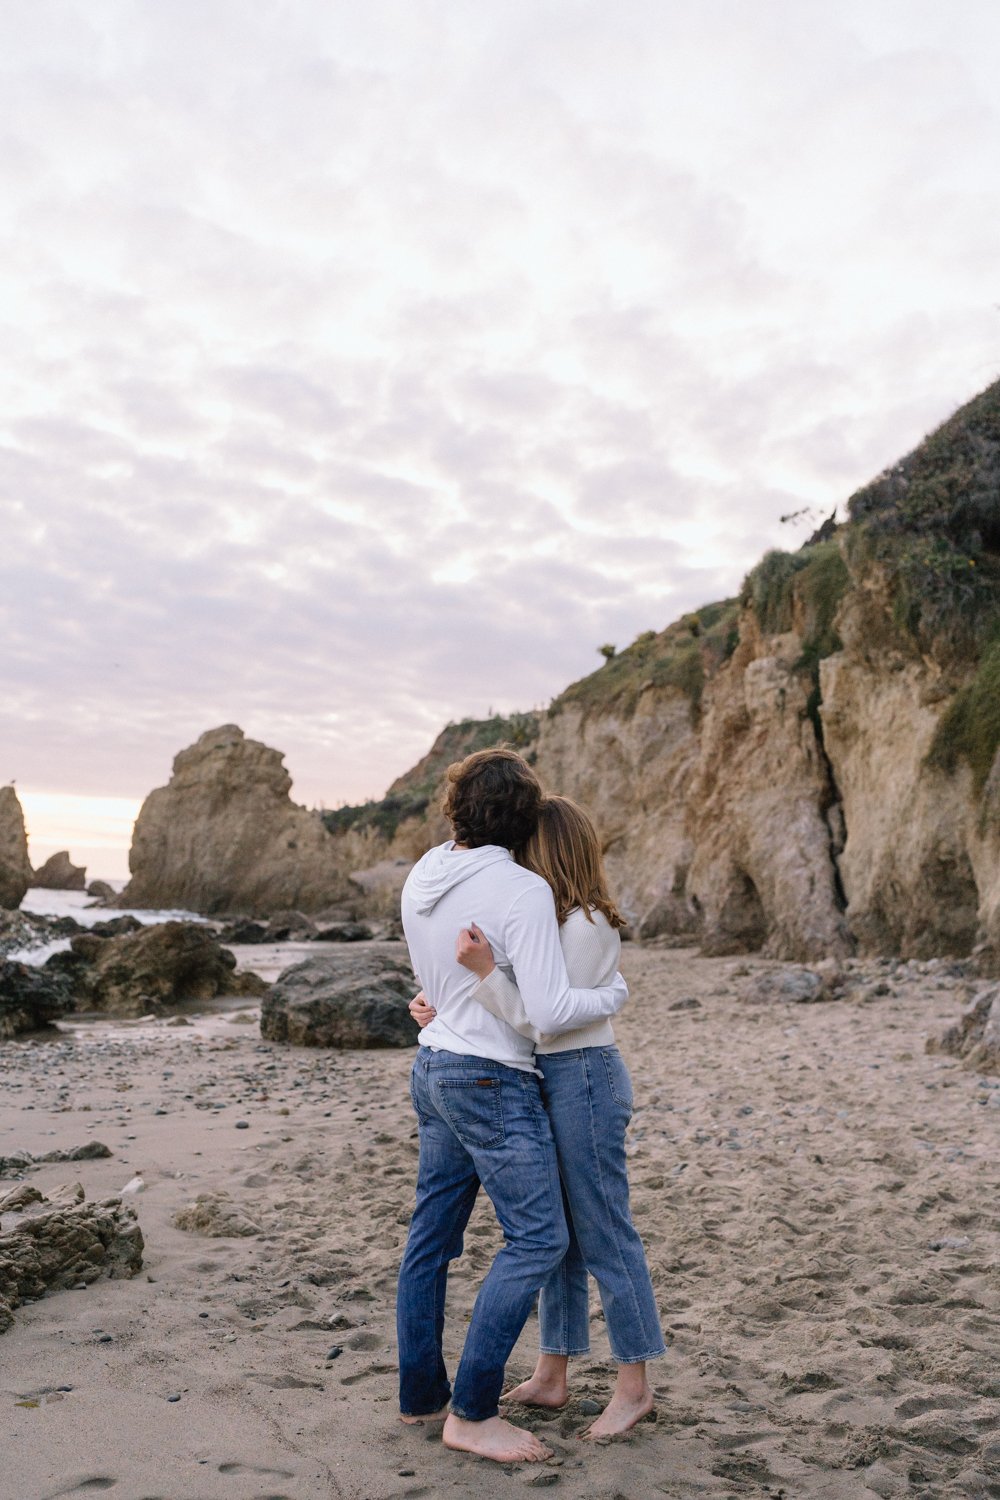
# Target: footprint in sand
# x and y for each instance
(238, 1468)
(89, 1486)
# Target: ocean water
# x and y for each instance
(80, 906)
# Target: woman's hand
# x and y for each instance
(474, 952)
(421, 1012)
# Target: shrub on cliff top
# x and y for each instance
(808, 584)
(933, 523)
(680, 656)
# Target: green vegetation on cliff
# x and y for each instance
(970, 727)
(800, 591)
(933, 523)
(682, 657)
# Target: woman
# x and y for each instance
(588, 1096)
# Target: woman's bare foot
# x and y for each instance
(547, 1386)
(495, 1438)
(538, 1391)
(622, 1412)
(434, 1416)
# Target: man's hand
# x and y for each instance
(474, 952)
(421, 1012)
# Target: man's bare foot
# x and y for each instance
(537, 1391)
(495, 1438)
(621, 1413)
(433, 1416)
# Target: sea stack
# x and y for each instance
(225, 836)
(15, 866)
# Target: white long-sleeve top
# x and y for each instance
(592, 950)
(451, 888)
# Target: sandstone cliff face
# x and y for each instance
(921, 865)
(15, 866)
(224, 835)
(633, 773)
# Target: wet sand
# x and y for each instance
(793, 1167)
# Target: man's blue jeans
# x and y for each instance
(588, 1097)
(480, 1122)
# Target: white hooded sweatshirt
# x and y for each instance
(451, 888)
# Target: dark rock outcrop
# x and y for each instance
(347, 1001)
(59, 873)
(102, 891)
(975, 1037)
(31, 999)
(51, 1250)
(225, 836)
(15, 866)
(153, 969)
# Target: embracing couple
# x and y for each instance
(518, 1086)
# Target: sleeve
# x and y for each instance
(536, 956)
(502, 998)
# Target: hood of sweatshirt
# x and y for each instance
(443, 868)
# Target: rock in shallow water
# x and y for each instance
(151, 969)
(350, 1001)
(30, 998)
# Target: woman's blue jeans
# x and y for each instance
(588, 1097)
(480, 1122)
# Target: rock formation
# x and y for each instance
(102, 891)
(153, 969)
(59, 873)
(225, 836)
(809, 770)
(975, 1037)
(346, 1001)
(64, 1245)
(15, 866)
(31, 999)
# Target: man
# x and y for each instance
(475, 1091)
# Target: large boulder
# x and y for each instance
(15, 866)
(225, 836)
(975, 1036)
(102, 891)
(31, 999)
(154, 969)
(345, 1001)
(63, 1246)
(59, 873)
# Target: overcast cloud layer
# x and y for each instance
(366, 366)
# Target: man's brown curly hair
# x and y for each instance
(492, 797)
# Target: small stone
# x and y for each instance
(542, 1481)
(173, 1398)
(335, 1352)
(687, 1003)
(105, 1338)
(406, 1473)
(242, 1124)
(590, 1408)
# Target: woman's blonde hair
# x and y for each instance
(565, 851)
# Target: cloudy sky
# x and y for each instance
(367, 366)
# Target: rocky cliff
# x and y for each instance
(15, 867)
(809, 769)
(59, 873)
(225, 836)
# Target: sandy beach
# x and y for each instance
(819, 1200)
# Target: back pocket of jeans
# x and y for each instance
(619, 1081)
(473, 1109)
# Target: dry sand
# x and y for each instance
(792, 1168)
